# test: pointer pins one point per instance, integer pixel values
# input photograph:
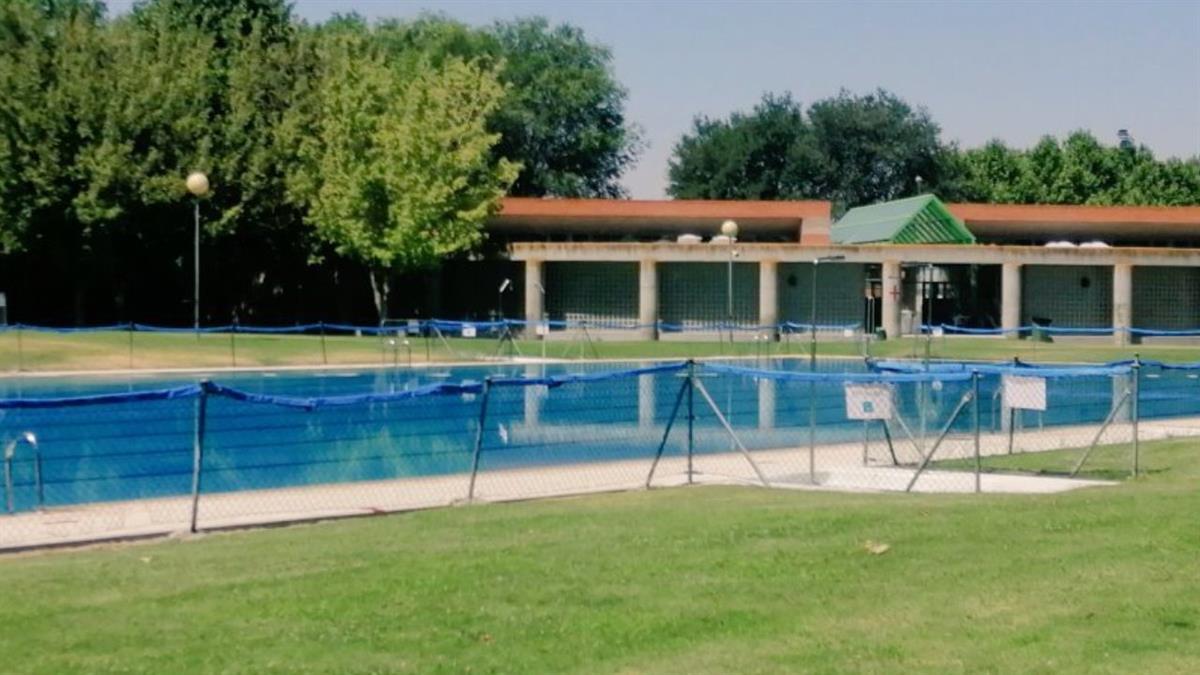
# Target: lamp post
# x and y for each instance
(197, 184)
(812, 366)
(812, 316)
(729, 228)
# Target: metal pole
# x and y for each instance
(729, 296)
(196, 278)
(866, 440)
(812, 432)
(975, 396)
(812, 385)
(942, 436)
(887, 436)
(37, 479)
(324, 353)
(198, 450)
(812, 319)
(487, 388)
(725, 423)
(1136, 375)
(691, 418)
(8, 482)
(1012, 426)
(1100, 432)
(666, 433)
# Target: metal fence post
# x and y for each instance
(324, 353)
(812, 428)
(691, 418)
(683, 388)
(198, 450)
(483, 406)
(978, 463)
(1135, 374)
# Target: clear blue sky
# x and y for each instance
(1008, 70)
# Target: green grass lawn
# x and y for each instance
(1106, 462)
(35, 351)
(703, 580)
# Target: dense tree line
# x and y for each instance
(348, 154)
(856, 150)
(333, 150)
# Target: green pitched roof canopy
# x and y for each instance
(916, 220)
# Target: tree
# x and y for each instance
(1077, 170)
(849, 149)
(398, 171)
(562, 117)
(748, 156)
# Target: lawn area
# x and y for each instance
(1106, 462)
(39, 351)
(690, 580)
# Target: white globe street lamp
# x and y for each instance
(197, 184)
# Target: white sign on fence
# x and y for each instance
(868, 401)
(543, 329)
(938, 331)
(468, 330)
(1024, 392)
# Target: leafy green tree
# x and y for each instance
(46, 123)
(397, 172)
(749, 156)
(849, 149)
(871, 148)
(1077, 170)
(562, 117)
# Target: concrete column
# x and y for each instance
(534, 297)
(891, 299)
(646, 401)
(768, 296)
(1122, 306)
(1010, 299)
(648, 299)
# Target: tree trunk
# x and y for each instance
(379, 286)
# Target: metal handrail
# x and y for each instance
(10, 451)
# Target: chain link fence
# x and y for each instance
(209, 456)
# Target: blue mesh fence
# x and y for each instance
(407, 342)
(89, 464)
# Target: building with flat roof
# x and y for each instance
(663, 266)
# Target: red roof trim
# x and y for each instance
(1053, 213)
(665, 208)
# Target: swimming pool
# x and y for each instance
(145, 449)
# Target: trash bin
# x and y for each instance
(906, 322)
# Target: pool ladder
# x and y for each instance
(9, 451)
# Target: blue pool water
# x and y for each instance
(145, 449)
